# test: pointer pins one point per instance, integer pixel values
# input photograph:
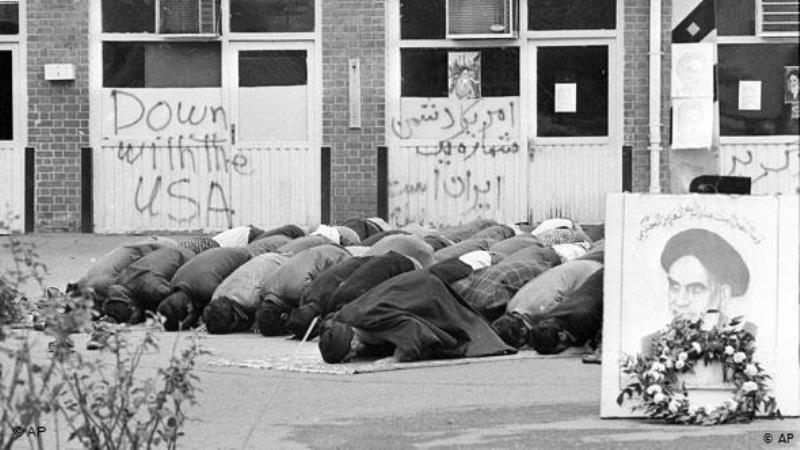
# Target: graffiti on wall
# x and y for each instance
(766, 167)
(462, 146)
(174, 147)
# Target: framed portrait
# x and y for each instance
(791, 83)
(713, 257)
(464, 75)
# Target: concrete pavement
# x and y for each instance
(533, 403)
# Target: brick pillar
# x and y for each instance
(353, 29)
(58, 111)
(636, 90)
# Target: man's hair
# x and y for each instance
(174, 308)
(544, 336)
(511, 329)
(271, 319)
(220, 317)
(714, 252)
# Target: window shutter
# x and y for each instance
(480, 19)
(780, 17)
(189, 17)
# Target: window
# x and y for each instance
(9, 18)
(424, 71)
(584, 71)
(6, 97)
(736, 17)
(160, 65)
(572, 15)
(174, 16)
(756, 62)
(272, 16)
(272, 68)
(422, 19)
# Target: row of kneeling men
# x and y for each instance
(367, 289)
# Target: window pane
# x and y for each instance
(268, 78)
(6, 99)
(424, 71)
(585, 68)
(272, 16)
(572, 14)
(272, 68)
(736, 17)
(422, 19)
(144, 64)
(756, 62)
(129, 16)
(9, 18)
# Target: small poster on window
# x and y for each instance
(464, 75)
(749, 95)
(566, 97)
(792, 85)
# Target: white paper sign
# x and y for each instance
(693, 123)
(743, 248)
(566, 97)
(749, 95)
(692, 70)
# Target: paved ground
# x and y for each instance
(542, 403)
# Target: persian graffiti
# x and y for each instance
(472, 196)
(461, 128)
(772, 171)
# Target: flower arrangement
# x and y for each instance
(677, 350)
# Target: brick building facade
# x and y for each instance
(321, 163)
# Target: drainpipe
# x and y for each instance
(655, 96)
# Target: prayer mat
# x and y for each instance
(307, 359)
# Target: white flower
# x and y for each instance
(691, 410)
(739, 357)
(696, 347)
(657, 367)
(674, 405)
(683, 356)
(653, 389)
(751, 370)
(668, 364)
(749, 386)
(679, 365)
(728, 350)
(658, 398)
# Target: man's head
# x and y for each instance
(548, 337)
(703, 271)
(223, 316)
(174, 309)
(512, 329)
(271, 316)
(337, 341)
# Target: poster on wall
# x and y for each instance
(464, 75)
(692, 70)
(791, 76)
(692, 123)
(749, 95)
(566, 100)
(684, 273)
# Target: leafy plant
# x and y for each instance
(104, 400)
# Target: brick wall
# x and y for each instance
(58, 111)
(636, 90)
(353, 29)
